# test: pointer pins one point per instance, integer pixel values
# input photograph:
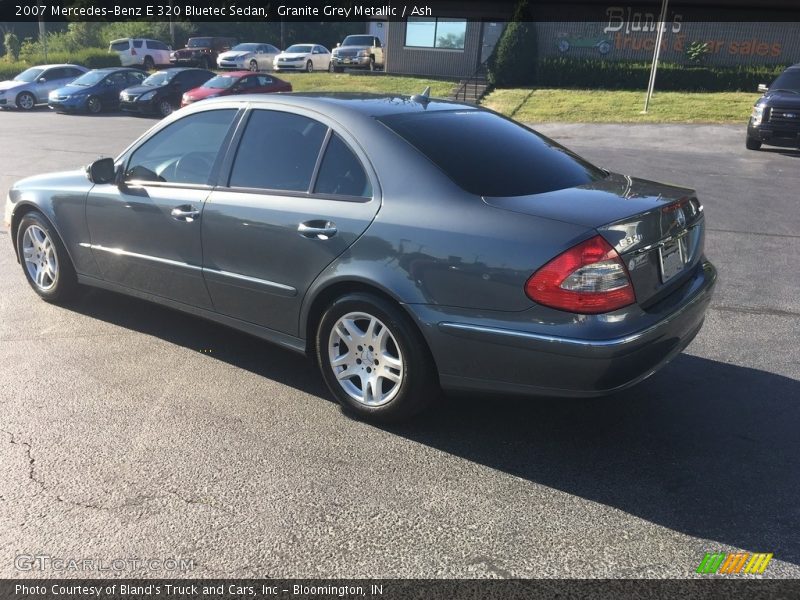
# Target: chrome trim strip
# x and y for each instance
(121, 252)
(271, 284)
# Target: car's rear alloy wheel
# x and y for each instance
(374, 360)
(164, 108)
(26, 101)
(752, 143)
(309, 67)
(253, 66)
(94, 105)
(44, 259)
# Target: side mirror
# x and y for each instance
(42, 79)
(338, 44)
(102, 170)
(763, 87)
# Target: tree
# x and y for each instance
(12, 45)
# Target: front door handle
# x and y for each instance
(185, 213)
(321, 230)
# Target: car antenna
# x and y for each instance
(423, 98)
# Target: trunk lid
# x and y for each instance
(656, 228)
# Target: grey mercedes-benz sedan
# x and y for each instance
(407, 244)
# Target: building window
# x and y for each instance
(444, 34)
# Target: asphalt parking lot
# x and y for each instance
(130, 430)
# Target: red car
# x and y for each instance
(236, 82)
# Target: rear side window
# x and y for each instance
(137, 43)
(489, 155)
(341, 173)
(156, 45)
(119, 46)
(278, 151)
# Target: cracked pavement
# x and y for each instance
(130, 430)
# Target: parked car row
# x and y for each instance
(71, 88)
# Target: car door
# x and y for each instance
(321, 58)
(112, 85)
(145, 229)
(276, 220)
(267, 58)
(49, 80)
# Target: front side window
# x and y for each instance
(278, 151)
(341, 173)
(443, 34)
(183, 152)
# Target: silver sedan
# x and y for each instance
(33, 86)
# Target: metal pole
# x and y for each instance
(656, 54)
(42, 32)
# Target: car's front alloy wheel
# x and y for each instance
(26, 101)
(94, 105)
(374, 360)
(309, 67)
(44, 259)
(253, 66)
(164, 108)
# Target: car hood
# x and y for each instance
(141, 89)
(235, 55)
(11, 85)
(784, 99)
(293, 55)
(58, 180)
(351, 48)
(73, 89)
(201, 92)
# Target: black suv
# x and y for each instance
(776, 115)
(201, 52)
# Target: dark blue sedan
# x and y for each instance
(94, 91)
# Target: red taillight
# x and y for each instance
(589, 278)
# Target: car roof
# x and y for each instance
(370, 105)
(55, 65)
(177, 69)
(116, 69)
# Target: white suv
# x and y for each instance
(136, 52)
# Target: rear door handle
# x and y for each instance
(185, 213)
(321, 230)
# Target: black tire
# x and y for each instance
(371, 63)
(207, 63)
(309, 67)
(164, 108)
(752, 143)
(64, 285)
(149, 64)
(94, 105)
(26, 101)
(418, 385)
(331, 68)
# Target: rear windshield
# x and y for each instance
(489, 155)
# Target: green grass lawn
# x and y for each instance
(601, 106)
(378, 84)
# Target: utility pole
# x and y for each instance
(656, 54)
(42, 30)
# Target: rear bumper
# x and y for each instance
(476, 355)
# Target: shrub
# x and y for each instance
(621, 75)
(513, 61)
(91, 58)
